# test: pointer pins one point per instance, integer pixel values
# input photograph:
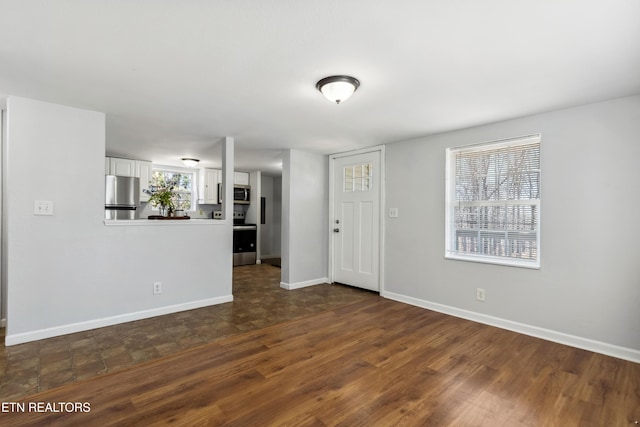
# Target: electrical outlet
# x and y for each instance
(42, 207)
(157, 288)
(480, 294)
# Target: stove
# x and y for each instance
(244, 240)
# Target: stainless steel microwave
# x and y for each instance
(241, 194)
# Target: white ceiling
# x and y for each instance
(174, 77)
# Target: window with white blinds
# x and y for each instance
(493, 202)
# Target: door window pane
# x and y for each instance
(358, 177)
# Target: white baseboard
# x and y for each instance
(14, 339)
(298, 285)
(534, 331)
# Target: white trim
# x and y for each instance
(3, 221)
(501, 143)
(381, 149)
(486, 259)
(14, 339)
(383, 210)
(298, 285)
(534, 331)
(330, 269)
(357, 152)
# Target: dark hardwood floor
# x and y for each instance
(259, 301)
(375, 362)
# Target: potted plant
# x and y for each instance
(163, 199)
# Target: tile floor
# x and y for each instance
(258, 302)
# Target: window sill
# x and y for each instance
(534, 265)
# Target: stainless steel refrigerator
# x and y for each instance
(122, 197)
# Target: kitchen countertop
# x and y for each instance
(165, 223)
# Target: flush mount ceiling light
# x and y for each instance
(338, 88)
(189, 162)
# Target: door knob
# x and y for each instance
(336, 230)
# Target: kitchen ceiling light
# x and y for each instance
(189, 162)
(338, 88)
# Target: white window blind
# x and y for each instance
(493, 202)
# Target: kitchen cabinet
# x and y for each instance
(241, 178)
(127, 167)
(122, 167)
(208, 188)
(143, 171)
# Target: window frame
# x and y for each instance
(451, 202)
(183, 171)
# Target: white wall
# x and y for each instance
(286, 214)
(266, 229)
(270, 231)
(587, 287)
(253, 210)
(277, 216)
(305, 219)
(3, 248)
(69, 271)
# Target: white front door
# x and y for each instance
(355, 224)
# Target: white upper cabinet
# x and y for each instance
(208, 188)
(143, 171)
(122, 167)
(241, 178)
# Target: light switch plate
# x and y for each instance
(42, 207)
(393, 212)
